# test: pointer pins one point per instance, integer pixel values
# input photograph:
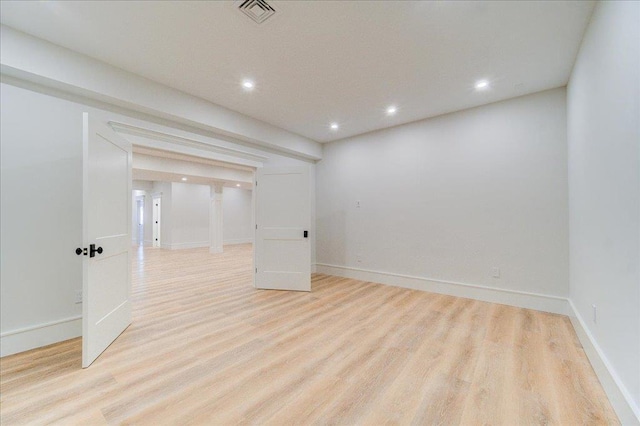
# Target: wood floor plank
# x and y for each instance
(205, 347)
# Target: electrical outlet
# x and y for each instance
(359, 258)
(595, 313)
(79, 296)
(495, 272)
(357, 204)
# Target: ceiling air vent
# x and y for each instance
(258, 10)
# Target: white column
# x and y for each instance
(215, 219)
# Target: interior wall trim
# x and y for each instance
(189, 245)
(238, 241)
(628, 412)
(539, 302)
(130, 129)
(35, 336)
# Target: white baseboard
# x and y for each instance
(314, 268)
(197, 244)
(237, 241)
(521, 299)
(628, 412)
(24, 339)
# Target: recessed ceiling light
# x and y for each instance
(334, 126)
(392, 110)
(237, 184)
(184, 179)
(482, 84)
(248, 84)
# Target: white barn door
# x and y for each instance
(283, 218)
(106, 287)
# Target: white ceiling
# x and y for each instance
(318, 62)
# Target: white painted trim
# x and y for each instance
(154, 134)
(231, 155)
(201, 158)
(628, 412)
(238, 241)
(521, 299)
(314, 268)
(24, 339)
(197, 244)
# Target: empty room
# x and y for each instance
(320, 212)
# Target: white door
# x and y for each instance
(106, 287)
(157, 208)
(283, 218)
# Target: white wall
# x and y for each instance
(189, 215)
(145, 188)
(185, 215)
(41, 220)
(187, 208)
(237, 208)
(148, 219)
(448, 198)
(135, 194)
(142, 185)
(604, 189)
(148, 215)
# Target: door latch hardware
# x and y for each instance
(93, 250)
(80, 251)
(306, 234)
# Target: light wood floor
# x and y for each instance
(207, 348)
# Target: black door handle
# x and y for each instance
(306, 234)
(93, 250)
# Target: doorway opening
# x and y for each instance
(195, 211)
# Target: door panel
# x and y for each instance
(108, 170)
(103, 272)
(283, 214)
(107, 224)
